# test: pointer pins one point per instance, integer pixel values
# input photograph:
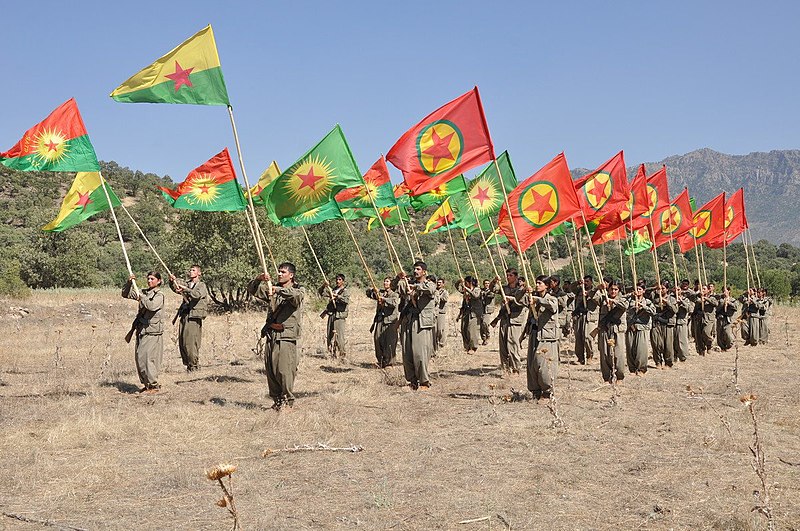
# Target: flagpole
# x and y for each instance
(703, 262)
(654, 253)
(269, 249)
(539, 257)
(571, 259)
(469, 253)
(386, 233)
(697, 260)
(753, 250)
(480, 229)
(314, 254)
(388, 248)
(377, 213)
(621, 265)
(405, 233)
(259, 250)
(591, 247)
(674, 262)
(413, 231)
(453, 247)
(750, 273)
(511, 220)
(146, 240)
(578, 253)
(549, 255)
(363, 261)
(497, 243)
(119, 232)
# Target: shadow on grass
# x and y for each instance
(216, 379)
(331, 368)
(486, 370)
(122, 387)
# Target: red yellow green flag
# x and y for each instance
(190, 73)
(707, 223)
(264, 182)
(675, 220)
(391, 216)
(324, 212)
(57, 143)
(316, 177)
(401, 195)
(84, 199)
(485, 191)
(543, 200)
(657, 200)
(376, 184)
(437, 195)
(603, 191)
(735, 221)
(450, 140)
(638, 203)
(639, 241)
(442, 218)
(211, 187)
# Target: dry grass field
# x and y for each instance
(81, 449)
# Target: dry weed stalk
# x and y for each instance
(319, 447)
(699, 393)
(218, 473)
(229, 340)
(758, 464)
(58, 358)
(786, 328)
(552, 405)
(735, 378)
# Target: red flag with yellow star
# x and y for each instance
(605, 190)
(637, 204)
(735, 221)
(674, 221)
(450, 140)
(211, 187)
(543, 200)
(707, 223)
(657, 192)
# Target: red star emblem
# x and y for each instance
(180, 76)
(83, 200)
(52, 146)
(672, 219)
(482, 195)
(309, 179)
(440, 149)
(598, 191)
(385, 213)
(541, 203)
(441, 221)
(203, 188)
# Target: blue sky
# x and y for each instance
(588, 78)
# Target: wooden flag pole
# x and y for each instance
(581, 270)
(621, 265)
(753, 250)
(571, 259)
(549, 255)
(751, 279)
(469, 253)
(146, 240)
(363, 261)
(380, 219)
(654, 253)
(388, 239)
(314, 254)
(497, 243)
(405, 233)
(483, 238)
(539, 257)
(528, 275)
(259, 250)
(703, 262)
(674, 262)
(591, 247)
(119, 232)
(453, 247)
(414, 234)
(697, 260)
(269, 249)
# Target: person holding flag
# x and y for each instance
(420, 316)
(336, 311)
(543, 342)
(640, 320)
(191, 313)
(471, 313)
(148, 327)
(384, 324)
(512, 317)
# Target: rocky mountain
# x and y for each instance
(771, 183)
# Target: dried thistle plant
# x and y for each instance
(218, 473)
(765, 506)
(698, 392)
(58, 358)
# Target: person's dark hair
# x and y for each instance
(612, 283)
(340, 275)
(469, 279)
(157, 275)
(198, 267)
(421, 264)
(387, 278)
(588, 277)
(543, 278)
(608, 280)
(288, 266)
(555, 278)
(432, 278)
(512, 271)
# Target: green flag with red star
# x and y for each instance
(486, 189)
(57, 143)
(543, 200)
(315, 178)
(190, 73)
(324, 212)
(84, 199)
(391, 216)
(437, 195)
(450, 140)
(211, 187)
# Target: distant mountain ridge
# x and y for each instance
(771, 183)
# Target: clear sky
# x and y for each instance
(588, 78)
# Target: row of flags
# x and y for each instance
(325, 183)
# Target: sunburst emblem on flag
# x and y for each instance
(652, 194)
(204, 189)
(51, 146)
(484, 196)
(439, 147)
(702, 224)
(729, 215)
(365, 191)
(597, 190)
(671, 219)
(539, 204)
(309, 215)
(310, 181)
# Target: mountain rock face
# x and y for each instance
(771, 183)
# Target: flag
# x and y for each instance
(401, 192)
(657, 200)
(707, 224)
(84, 199)
(437, 195)
(486, 226)
(638, 203)
(638, 242)
(211, 187)
(376, 184)
(538, 203)
(495, 238)
(441, 219)
(450, 140)
(316, 177)
(608, 235)
(263, 184)
(735, 221)
(675, 220)
(605, 190)
(461, 217)
(318, 214)
(57, 143)
(391, 216)
(486, 191)
(190, 73)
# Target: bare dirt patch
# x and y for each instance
(81, 448)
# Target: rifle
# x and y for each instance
(133, 329)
